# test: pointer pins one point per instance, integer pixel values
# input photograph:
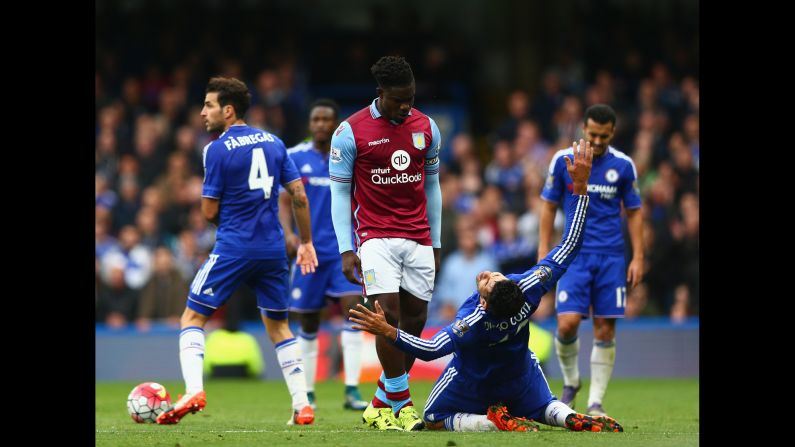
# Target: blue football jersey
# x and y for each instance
(243, 169)
(490, 349)
(313, 168)
(613, 180)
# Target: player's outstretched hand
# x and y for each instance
(372, 322)
(580, 168)
(306, 258)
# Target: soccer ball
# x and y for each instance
(147, 401)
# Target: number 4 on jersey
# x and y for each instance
(258, 177)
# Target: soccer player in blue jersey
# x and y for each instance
(308, 292)
(242, 170)
(492, 369)
(596, 282)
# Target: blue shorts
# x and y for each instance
(308, 292)
(525, 396)
(594, 279)
(220, 276)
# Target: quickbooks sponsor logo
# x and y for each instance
(400, 178)
(400, 160)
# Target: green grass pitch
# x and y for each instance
(654, 412)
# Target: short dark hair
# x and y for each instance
(505, 299)
(600, 113)
(326, 102)
(392, 71)
(232, 92)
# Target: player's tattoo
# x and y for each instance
(297, 193)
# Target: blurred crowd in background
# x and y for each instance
(151, 237)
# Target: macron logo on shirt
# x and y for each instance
(377, 142)
(306, 169)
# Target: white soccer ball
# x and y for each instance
(147, 401)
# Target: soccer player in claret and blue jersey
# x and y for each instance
(242, 171)
(597, 280)
(492, 370)
(389, 152)
(308, 292)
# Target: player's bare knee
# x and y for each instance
(278, 330)
(567, 328)
(604, 329)
(192, 318)
(310, 323)
(604, 334)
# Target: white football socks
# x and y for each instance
(191, 358)
(308, 345)
(469, 422)
(603, 358)
(567, 358)
(289, 355)
(556, 412)
(352, 341)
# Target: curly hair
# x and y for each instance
(232, 92)
(392, 71)
(505, 299)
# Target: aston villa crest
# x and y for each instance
(419, 140)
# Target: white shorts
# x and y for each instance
(389, 264)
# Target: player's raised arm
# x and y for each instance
(551, 195)
(560, 257)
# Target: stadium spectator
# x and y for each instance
(466, 262)
(506, 174)
(511, 250)
(518, 110)
(135, 258)
(116, 301)
(163, 296)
